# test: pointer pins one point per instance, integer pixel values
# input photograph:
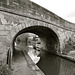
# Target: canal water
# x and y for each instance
(52, 64)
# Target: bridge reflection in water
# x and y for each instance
(52, 64)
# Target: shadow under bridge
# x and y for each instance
(49, 39)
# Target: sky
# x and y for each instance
(63, 8)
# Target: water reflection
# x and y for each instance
(52, 64)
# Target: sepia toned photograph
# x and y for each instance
(37, 37)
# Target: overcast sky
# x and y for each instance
(62, 8)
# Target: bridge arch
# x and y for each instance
(49, 39)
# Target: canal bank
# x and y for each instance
(70, 57)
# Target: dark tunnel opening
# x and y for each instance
(49, 38)
(49, 44)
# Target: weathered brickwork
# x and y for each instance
(17, 15)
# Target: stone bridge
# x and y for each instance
(22, 16)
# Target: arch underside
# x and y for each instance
(49, 39)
